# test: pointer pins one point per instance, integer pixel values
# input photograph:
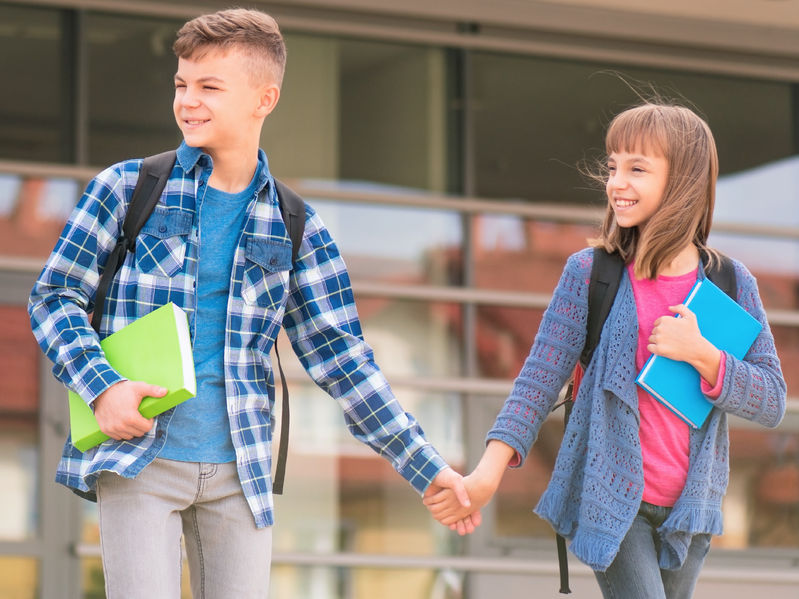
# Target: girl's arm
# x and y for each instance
(753, 388)
(552, 358)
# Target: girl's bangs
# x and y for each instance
(639, 130)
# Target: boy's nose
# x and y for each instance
(189, 99)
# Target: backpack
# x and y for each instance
(606, 273)
(153, 176)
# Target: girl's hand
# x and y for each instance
(480, 485)
(680, 339)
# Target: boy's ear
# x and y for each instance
(270, 94)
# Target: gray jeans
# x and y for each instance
(142, 519)
(635, 573)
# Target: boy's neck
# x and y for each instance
(233, 169)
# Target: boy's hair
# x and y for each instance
(685, 213)
(253, 32)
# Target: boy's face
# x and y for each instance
(217, 106)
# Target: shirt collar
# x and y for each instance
(188, 157)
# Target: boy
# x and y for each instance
(215, 245)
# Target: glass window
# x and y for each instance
(761, 508)
(394, 244)
(19, 410)
(518, 254)
(535, 119)
(364, 583)
(131, 70)
(504, 337)
(34, 120)
(340, 496)
(19, 577)
(33, 212)
(370, 111)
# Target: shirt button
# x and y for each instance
(162, 229)
(272, 261)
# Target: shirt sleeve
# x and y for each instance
(714, 392)
(322, 323)
(63, 295)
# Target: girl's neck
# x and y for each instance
(683, 263)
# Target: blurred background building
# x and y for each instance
(439, 140)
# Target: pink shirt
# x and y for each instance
(664, 437)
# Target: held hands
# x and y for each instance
(680, 339)
(450, 485)
(463, 517)
(445, 507)
(117, 409)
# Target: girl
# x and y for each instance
(635, 490)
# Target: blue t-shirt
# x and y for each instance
(200, 430)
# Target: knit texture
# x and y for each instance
(597, 483)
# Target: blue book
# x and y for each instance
(722, 322)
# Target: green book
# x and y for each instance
(155, 349)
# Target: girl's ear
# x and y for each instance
(268, 98)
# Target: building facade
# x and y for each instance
(442, 144)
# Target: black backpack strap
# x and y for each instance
(153, 175)
(606, 273)
(292, 209)
(722, 274)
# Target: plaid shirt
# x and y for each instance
(313, 302)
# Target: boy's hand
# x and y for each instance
(451, 483)
(117, 409)
(446, 509)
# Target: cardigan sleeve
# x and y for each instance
(552, 358)
(753, 388)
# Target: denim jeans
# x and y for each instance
(635, 573)
(142, 519)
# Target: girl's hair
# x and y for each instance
(686, 209)
(253, 32)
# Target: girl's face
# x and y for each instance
(636, 182)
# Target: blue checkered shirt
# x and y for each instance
(312, 301)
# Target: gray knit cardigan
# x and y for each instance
(597, 483)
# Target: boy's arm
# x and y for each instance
(63, 294)
(322, 322)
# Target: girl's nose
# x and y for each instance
(617, 181)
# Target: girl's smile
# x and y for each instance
(635, 186)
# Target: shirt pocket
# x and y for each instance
(266, 273)
(161, 244)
